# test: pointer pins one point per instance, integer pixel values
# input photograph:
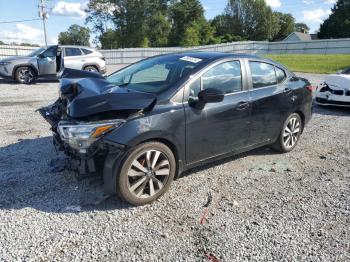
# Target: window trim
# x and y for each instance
(285, 73)
(186, 87)
(251, 76)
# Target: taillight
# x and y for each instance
(309, 88)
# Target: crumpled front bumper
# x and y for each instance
(332, 97)
(100, 158)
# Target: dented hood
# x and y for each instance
(89, 94)
(338, 82)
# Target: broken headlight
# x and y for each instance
(81, 136)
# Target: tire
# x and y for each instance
(289, 135)
(25, 75)
(91, 69)
(141, 181)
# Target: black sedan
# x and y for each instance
(144, 125)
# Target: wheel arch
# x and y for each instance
(302, 116)
(92, 64)
(24, 65)
(172, 147)
(113, 162)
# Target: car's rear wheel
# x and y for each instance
(290, 134)
(25, 75)
(91, 69)
(146, 173)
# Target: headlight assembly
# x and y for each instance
(4, 63)
(81, 136)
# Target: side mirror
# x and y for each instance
(211, 95)
(41, 56)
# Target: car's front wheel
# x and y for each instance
(25, 75)
(290, 134)
(146, 173)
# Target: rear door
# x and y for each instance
(269, 99)
(221, 127)
(73, 57)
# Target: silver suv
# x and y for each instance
(46, 62)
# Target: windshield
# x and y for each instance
(155, 75)
(36, 52)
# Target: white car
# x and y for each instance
(335, 91)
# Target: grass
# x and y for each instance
(321, 64)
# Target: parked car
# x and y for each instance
(46, 62)
(144, 125)
(335, 91)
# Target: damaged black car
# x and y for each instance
(142, 126)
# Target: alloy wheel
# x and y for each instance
(291, 132)
(148, 173)
(25, 75)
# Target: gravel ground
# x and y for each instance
(265, 206)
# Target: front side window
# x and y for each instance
(225, 77)
(263, 74)
(50, 52)
(73, 52)
(156, 74)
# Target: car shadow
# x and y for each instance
(38, 81)
(33, 175)
(331, 110)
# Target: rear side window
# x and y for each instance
(280, 74)
(225, 77)
(86, 51)
(73, 52)
(263, 74)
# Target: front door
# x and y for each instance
(221, 127)
(47, 61)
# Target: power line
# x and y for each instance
(19, 21)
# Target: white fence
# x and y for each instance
(13, 50)
(130, 55)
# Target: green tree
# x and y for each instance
(158, 30)
(337, 25)
(100, 17)
(185, 14)
(251, 19)
(76, 35)
(286, 23)
(302, 28)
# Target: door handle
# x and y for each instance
(242, 105)
(287, 90)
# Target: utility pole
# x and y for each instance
(43, 15)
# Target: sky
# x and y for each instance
(63, 13)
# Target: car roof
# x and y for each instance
(214, 55)
(76, 46)
(221, 55)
